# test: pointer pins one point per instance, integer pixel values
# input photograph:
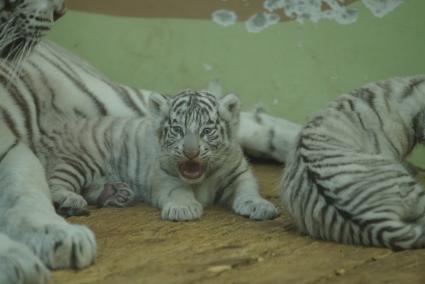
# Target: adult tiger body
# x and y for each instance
(345, 180)
(33, 237)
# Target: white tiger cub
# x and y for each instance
(345, 181)
(181, 158)
(33, 237)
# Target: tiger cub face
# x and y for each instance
(196, 131)
(24, 22)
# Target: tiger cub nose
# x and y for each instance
(191, 154)
(191, 145)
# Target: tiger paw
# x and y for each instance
(63, 245)
(68, 203)
(115, 194)
(255, 208)
(175, 211)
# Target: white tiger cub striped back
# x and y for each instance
(344, 180)
(183, 157)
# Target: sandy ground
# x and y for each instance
(135, 246)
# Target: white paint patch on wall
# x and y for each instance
(224, 17)
(380, 8)
(260, 21)
(302, 10)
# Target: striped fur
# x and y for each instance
(345, 180)
(33, 237)
(191, 129)
(52, 83)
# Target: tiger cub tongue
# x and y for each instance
(191, 169)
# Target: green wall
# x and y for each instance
(292, 69)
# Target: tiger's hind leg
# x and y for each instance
(66, 183)
(99, 192)
(68, 203)
(115, 194)
(104, 193)
(396, 214)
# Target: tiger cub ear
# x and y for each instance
(159, 104)
(230, 107)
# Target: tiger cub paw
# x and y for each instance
(187, 211)
(116, 194)
(68, 203)
(255, 208)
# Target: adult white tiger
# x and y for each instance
(53, 82)
(32, 235)
(345, 180)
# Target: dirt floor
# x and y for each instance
(135, 246)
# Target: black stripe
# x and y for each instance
(230, 181)
(78, 167)
(20, 101)
(272, 147)
(409, 90)
(15, 143)
(71, 175)
(323, 191)
(95, 138)
(126, 98)
(46, 84)
(9, 122)
(78, 83)
(55, 177)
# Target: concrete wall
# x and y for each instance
(292, 69)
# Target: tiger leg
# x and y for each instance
(378, 205)
(176, 200)
(388, 211)
(105, 193)
(115, 194)
(65, 183)
(27, 214)
(264, 136)
(246, 200)
(68, 203)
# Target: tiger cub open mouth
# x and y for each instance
(191, 169)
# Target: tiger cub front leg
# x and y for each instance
(68, 203)
(247, 200)
(177, 202)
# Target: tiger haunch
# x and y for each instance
(345, 181)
